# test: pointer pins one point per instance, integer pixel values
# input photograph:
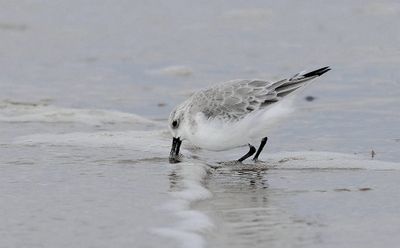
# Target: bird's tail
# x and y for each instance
(287, 86)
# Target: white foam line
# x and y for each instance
(327, 160)
(95, 139)
(19, 112)
(313, 160)
(188, 231)
(157, 141)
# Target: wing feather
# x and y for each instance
(236, 99)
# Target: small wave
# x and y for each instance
(379, 9)
(11, 111)
(143, 160)
(149, 144)
(192, 224)
(13, 26)
(176, 70)
(311, 160)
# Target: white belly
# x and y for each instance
(217, 135)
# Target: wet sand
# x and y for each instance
(86, 88)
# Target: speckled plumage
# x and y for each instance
(232, 113)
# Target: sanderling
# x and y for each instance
(230, 114)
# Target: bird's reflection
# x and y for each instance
(255, 179)
(174, 179)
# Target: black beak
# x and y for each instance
(174, 154)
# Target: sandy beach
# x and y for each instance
(86, 89)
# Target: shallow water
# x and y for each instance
(85, 89)
(303, 208)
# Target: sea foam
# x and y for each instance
(192, 224)
(42, 112)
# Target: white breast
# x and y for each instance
(217, 134)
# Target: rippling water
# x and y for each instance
(85, 90)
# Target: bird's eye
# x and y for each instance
(174, 124)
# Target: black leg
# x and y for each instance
(251, 152)
(260, 148)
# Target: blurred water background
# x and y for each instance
(86, 88)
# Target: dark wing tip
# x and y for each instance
(318, 72)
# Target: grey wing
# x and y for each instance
(234, 100)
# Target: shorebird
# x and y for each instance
(230, 114)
